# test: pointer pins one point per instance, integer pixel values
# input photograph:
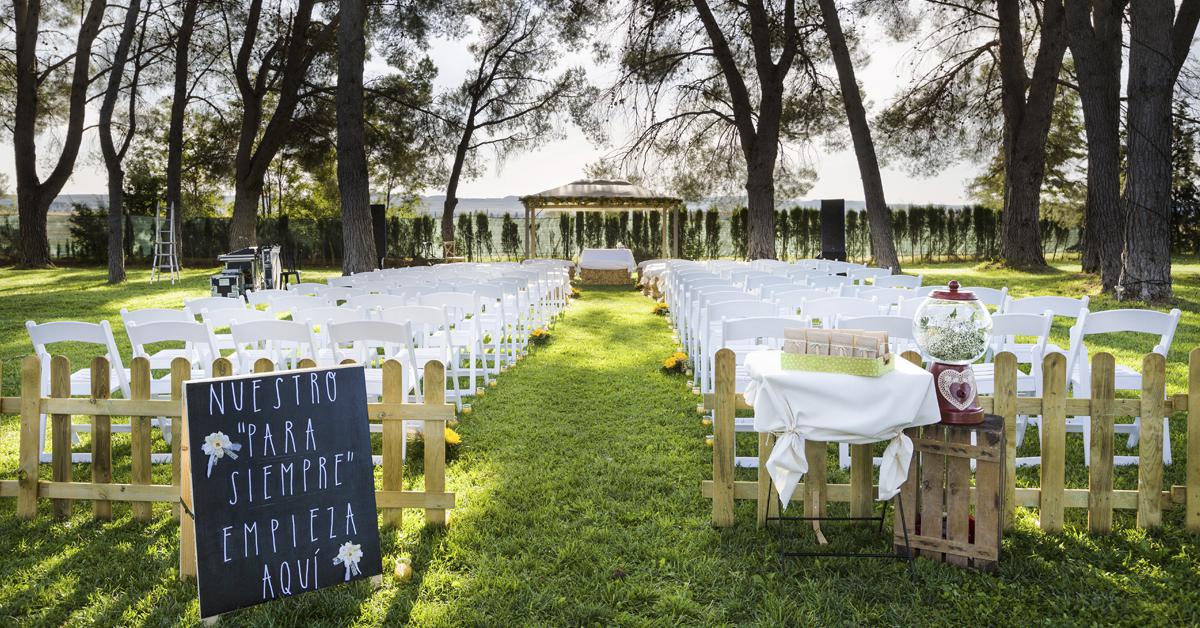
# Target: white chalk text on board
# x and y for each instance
(282, 485)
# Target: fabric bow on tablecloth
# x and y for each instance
(798, 406)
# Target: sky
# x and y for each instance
(563, 161)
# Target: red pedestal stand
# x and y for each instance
(955, 384)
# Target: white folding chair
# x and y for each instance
(375, 302)
(992, 297)
(264, 297)
(284, 343)
(75, 332)
(218, 320)
(305, 288)
(889, 298)
(711, 339)
(830, 309)
(899, 281)
(431, 333)
(154, 315)
(863, 275)
(462, 312)
(1131, 321)
(790, 301)
(1011, 333)
(1065, 307)
(288, 304)
(908, 307)
(829, 281)
(196, 307)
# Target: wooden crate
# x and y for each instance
(606, 277)
(937, 498)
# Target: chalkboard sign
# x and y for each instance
(283, 487)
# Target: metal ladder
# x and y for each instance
(165, 258)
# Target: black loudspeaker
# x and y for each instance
(833, 229)
(379, 227)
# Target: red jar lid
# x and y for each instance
(953, 294)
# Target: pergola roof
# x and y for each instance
(599, 194)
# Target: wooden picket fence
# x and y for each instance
(1052, 496)
(392, 411)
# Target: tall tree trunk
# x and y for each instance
(1146, 260)
(244, 220)
(451, 202)
(257, 146)
(1028, 103)
(1094, 29)
(760, 206)
(179, 103)
(34, 195)
(357, 235)
(113, 156)
(882, 244)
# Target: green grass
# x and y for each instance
(579, 504)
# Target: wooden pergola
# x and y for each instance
(596, 195)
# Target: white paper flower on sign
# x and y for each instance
(349, 554)
(216, 446)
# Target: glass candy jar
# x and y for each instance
(953, 329)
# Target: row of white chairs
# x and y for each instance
(707, 306)
(468, 319)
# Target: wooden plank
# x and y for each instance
(989, 495)
(766, 443)
(1150, 443)
(932, 487)
(393, 440)
(1005, 406)
(957, 449)
(1078, 407)
(139, 388)
(399, 411)
(816, 481)
(914, 357)
(414, 499)
(307, 363)
(138, 494)
(938, 546)
(31, 430)
(101, 437)
(861, 464)
(60, 430)
(112, 407)
(263, 365)
(723, 439)
(1192, 517)
(181, 371)
(710, 402)
(187, 524)
(1054, 441)
(435, 440)
(1100, 472)
(958, 495)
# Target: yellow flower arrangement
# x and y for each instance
(660, 308)
(681, 356)
(675, 363)
(452, 437)
(670, 363)
(539, 336)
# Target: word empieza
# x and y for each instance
(274, 458)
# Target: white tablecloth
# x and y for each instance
(607, 259)
(830, 407)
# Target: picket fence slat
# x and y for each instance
(1100, 473)
(1005, 387)
(101, 438)
(1054, 441)
(60, 432)
(139, 426)
(1150, 444)
(1192, 517)
(31, 431)
(393, 440)
(723, 435)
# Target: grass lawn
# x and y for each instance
(579, 503)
